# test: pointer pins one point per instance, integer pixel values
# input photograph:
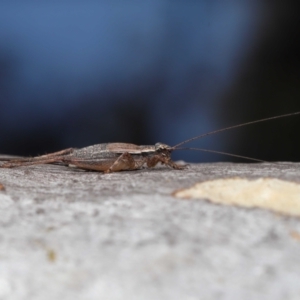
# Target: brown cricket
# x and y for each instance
(114, 157)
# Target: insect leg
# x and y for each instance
(124, 162)
(57, 153)
(20, 163)
(152, 162)
(175, 166)
(35, 160)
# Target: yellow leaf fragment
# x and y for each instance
(269, 193)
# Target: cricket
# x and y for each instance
(115, 157)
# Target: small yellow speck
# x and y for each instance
(295, 235)
(51, 255)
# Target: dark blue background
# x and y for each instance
(74, 74)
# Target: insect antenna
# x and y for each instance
(223, 153)
(234, 126)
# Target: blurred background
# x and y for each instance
(77, 74)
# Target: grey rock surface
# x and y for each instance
(71, 234)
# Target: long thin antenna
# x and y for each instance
(223, 153)
(235, 126)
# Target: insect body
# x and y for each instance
(114, 157)
(107, 158)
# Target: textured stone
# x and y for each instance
(72, 234)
